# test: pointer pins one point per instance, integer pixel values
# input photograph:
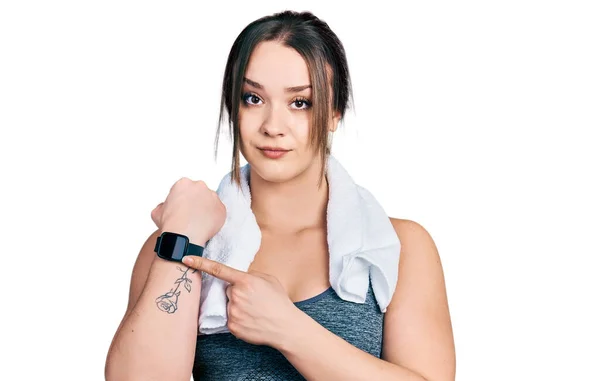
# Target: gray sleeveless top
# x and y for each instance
(223, 357)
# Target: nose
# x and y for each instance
(275, 122)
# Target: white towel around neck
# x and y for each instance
(363, 244)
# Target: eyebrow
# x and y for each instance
(293, 89)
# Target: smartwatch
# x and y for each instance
(173, 247)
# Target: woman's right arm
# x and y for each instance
(156, 339)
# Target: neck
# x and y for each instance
(292, 206)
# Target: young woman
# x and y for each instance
(286, 88)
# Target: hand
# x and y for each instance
(191, 209)
(259, 310)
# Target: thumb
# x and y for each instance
(156, 214)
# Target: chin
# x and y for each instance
(275, 172)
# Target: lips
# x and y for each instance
(274, 149)
(273, 153)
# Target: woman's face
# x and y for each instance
(276, 111)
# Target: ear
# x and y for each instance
(335, 120)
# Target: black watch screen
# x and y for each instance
(172, 246)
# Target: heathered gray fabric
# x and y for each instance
(223, 357)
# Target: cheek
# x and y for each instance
(249, 123)
(301, 126)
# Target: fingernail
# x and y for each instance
(187, 260)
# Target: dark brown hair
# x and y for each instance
(326, 60)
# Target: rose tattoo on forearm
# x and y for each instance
(168, 301)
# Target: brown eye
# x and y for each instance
(301, 104)
(251, 99)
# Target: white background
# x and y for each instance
(478, 120)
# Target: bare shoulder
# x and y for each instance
(417, 326)
(415, 240)
(409, 228)
(419, 259)
(403, 226)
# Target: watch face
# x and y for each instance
(173, 246)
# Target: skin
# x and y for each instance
(289, 208)
(292, 263)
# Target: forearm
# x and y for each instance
(318, 355)
(156, 340)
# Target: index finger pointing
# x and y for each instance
(216, 269)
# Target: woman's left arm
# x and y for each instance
(418, 342)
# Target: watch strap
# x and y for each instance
(195, 250)
(157, 244)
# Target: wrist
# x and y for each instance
(295, 326)
(196, 239)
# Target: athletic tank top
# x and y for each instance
(223, 357)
